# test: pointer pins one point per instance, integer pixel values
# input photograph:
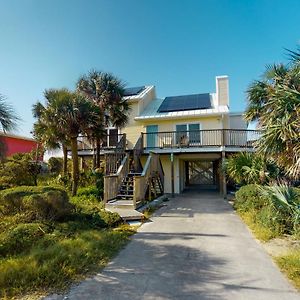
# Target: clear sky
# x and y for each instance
(177, 45)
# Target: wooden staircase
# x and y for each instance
(128, 183)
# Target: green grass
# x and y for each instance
(42, 255)
(58, 259)
(290, 265)
(261, 232)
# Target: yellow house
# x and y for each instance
(173, 144)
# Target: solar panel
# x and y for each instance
(187, 102)
(133, 91)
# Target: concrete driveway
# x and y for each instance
(196, 247)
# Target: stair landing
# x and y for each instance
(125, 213)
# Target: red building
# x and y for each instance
(18, 144)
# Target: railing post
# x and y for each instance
(223, 137)
(142, 141)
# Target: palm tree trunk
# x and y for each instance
(65, 159)
(98, 153)
(75, 173)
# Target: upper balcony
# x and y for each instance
(109, 143)
(200, 140)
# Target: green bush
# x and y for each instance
(110, 219)
(21, 238)
(88, 191)
(20, 169)
(55, 164)
(274, 208)
(250, 197)
(49, 203)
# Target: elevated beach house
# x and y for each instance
(172, 144)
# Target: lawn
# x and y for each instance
(39, 255)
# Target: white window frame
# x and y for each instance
(187, 130)
(107, 129)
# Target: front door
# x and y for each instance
(151, 131)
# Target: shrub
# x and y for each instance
(88, 191)
(250, 168)
(250, 197)
(111, 219)
(19, 169)
(21, 238)
(55, 164)
(274, 208)
(286, 200)
(50, 203)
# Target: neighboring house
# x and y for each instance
(17, 144)
(188, 136)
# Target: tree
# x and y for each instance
(46, 130)
(106, 91)
(68, 114)
(274, 102)
(8, 120)
(8, 117)
(250, 168)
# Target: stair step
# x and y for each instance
(124, 196)
(133, 174)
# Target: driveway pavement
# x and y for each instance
(196, 247)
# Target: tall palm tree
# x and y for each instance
(68, 114)
(8, 117)
(47, 131)
(8, 121)
(106, 91)
(274, 102)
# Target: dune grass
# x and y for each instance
(290, 265)
(56, 260)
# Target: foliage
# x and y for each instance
(290, 264)
(106, 91)
(21, 238)
(250, 168)
(68, 114)
(274, 102)
(8, 117)
(46, 254)
(38, 203)
(286, 200)
(267, 210)
(20, 169)
(56, 260)
(55, 164)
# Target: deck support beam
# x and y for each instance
(224, 181)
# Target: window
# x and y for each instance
(188, 134)
(152, 131)
(111, 139)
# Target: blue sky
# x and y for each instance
(179, 46)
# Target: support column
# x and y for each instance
(224, 181)
(172, 175)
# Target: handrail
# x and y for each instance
(113, 182)
(200, 138)
(137, 152)
(151, 170)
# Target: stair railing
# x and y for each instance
(142, 182)
(137, 152)
(113, 182)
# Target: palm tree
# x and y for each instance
(8, 121)
(106, 91)
(68, 114)
(47, 132)
(274, 102)
(8, 117)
